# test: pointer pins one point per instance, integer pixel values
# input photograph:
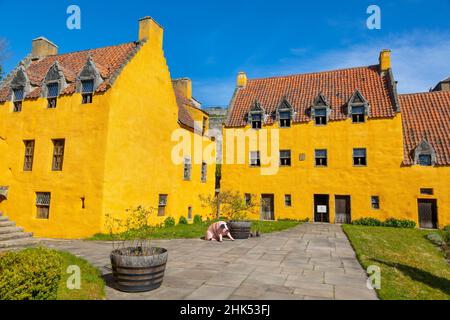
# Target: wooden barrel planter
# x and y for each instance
(240, 230)
(138, 269)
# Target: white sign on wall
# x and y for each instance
(322, 209)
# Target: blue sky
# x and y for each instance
(211, 41)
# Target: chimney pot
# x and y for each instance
(42, 47)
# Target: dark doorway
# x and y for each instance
(267, 207)
(428, 214)
(322, 208)
(343, 210)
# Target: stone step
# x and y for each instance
(19, 243)
(4, 218)
(7, 224)
(6, 230)
(15, 235)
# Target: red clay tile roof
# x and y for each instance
(108, 60)
(184, 116)
(300, 91)
(426, 116)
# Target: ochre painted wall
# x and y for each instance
(398, 187)
(139, 166)
(117, 154)
(84, 127)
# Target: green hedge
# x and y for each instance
(31, 274)
(183, 220)
(391, 223)
(371, 222)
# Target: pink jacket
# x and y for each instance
(214, 231)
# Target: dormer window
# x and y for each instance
(20, 86)
(320, 116)
(358, 115)
(18, 95)
(52, 95)
(285, 119)
(256, 121)
(358, 108)
(87, 91)
(425, 155)
(88, 80)
(54, 83)
(256, 116)
(425, 160)
(284, 112)
(320, 110)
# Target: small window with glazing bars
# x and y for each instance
(285, 158)
(204, 172)
(321, 158)
(29, 155)
(58, 154)
(360, 157)
(18, 95)
(87, 91)
(43, 205)
(52, 95)
(359, 114)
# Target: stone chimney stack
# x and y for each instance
(42, 47)
(241, 80)
(183, 85)
(385, 60)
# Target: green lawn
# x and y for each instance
(191, 231)
(412, 268)
(92, 284)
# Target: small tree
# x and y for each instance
(231, 205)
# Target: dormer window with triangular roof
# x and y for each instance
(54, 83)
(256, 116)
(285, 114)
(20, 86)
(88, 81)
(320, 110)
(424, 154)
(358, 108)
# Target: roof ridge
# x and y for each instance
(424, 93)
(313, 73)
(92, 49)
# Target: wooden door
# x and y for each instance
(267, 207)
(322, 208)
(343, 210)
(428, 214)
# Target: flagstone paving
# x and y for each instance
(311, 261)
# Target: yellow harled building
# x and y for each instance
(92, 133)
(339, 145)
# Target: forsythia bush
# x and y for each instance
(31, 274)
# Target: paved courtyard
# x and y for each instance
(311, 261)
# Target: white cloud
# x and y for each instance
(420, 59)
